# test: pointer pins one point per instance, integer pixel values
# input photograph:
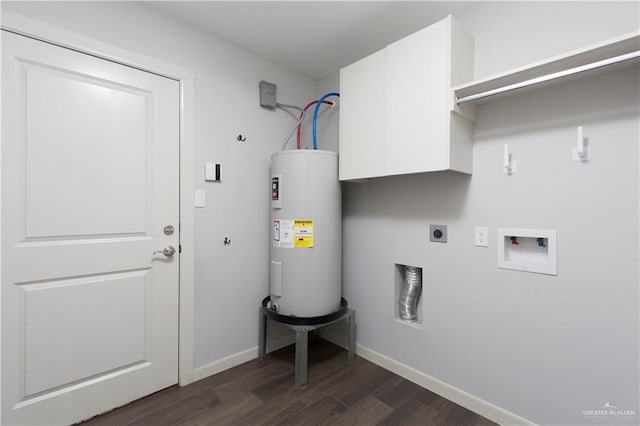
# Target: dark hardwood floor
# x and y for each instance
(263, 393)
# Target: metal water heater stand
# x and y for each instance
(302, 326)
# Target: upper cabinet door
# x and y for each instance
(416, 96)
(362, 118)
(397, 112)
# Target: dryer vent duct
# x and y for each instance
(410, 294)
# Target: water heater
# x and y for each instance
(306, 243)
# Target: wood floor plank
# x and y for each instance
(264, 393)
(454, 415)
(411, 413)
(430, 399)
(275, 387)
(317, 389)
(273, 411)
(132, 411)
(180, 412)
(171, 400)
(369, 412)
(251, 380)
(361, 385)
(323, 410)
(396, 391)
(226, 414)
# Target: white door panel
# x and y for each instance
(75, 129)
(89, 180)
(51, 358)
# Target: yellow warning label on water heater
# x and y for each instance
(303, 233)
(303, 241)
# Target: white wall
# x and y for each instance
(516, 33)
(230, 281)
(543, 347)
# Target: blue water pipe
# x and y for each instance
(315, 116)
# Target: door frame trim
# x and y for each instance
(47, 33)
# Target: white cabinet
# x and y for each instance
(362, 106)
(397, 108)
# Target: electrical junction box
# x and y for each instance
(267, 94)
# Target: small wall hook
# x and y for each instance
(241, 138)
(508, 165)
(227, 241)
(581, 152)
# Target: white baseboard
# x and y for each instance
(460, 397)
(233, 360)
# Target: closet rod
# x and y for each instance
(552, 76)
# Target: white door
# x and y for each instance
(89, 180)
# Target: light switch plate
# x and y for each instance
(199, 199)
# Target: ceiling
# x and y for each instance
(314, 37)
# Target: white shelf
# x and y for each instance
(623, 50)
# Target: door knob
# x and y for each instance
(167, 251)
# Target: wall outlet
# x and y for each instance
(438, 233)
(482, 236)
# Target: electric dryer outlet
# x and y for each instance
(438, 233)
